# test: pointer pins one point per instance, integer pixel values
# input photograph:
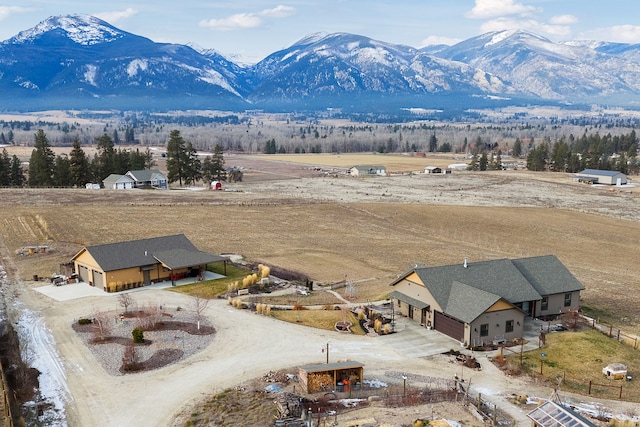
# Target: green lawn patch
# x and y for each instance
(216, 287)
(575, 358)
(320, 319)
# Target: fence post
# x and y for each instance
(610, 330)
(589, 387)
(620, 397)
(618, 335)
(635, 343)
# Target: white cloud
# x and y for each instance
(278, 12)
(485, 9)
(532, 25)
(563, 20)
(7, 11)
(437, 40)
(115, 16)
(618, 33)
(247, 20)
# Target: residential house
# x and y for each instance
(367, 170)
(118, 182)
(486, 301)
(149, 178)
(126, 265)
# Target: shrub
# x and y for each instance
(84, 321)
(138, 336)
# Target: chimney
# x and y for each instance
(145, 254)
(465, 262)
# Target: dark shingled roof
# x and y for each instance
(177, 250)
(323, 367)
(498, 277)
(548, 275)
(466, 292)
(466, 303)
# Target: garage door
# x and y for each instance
(449, 326)
(83, 272)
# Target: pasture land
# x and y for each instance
(364, 230)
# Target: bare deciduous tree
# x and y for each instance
(102, 326)
(199, 305)
(125, 300)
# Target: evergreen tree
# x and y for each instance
(517, 148)
(5, 169)
(213, 166)
(537, 158)
(483, 162)
(41, 162)
(193, 169)
(105, 160)
(176, 157)
(79, 172)
(61, 171)
(17, 172)
(433, 143)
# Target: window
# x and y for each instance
(484, 330)
(545, 304)
(567, 300)
(508, 327)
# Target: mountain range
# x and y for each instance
(79, 61)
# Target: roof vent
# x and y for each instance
(465, 262)
(145, 254)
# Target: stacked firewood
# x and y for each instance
(318, 382)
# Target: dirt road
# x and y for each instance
(246, 346)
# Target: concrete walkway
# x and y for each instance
(82, 290)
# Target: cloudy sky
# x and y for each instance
(249, 30)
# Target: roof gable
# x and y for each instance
(146, 175)
(136, 253)
(498, 277)
(466, 303)
(548, 275)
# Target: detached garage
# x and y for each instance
(595, 176)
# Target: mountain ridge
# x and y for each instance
(79, 60)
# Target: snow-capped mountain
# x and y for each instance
(337, 65)
(82, 57)
(79, 61)
(569, 72)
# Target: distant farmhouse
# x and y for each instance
(126, 265)
(482, 302)
(436, 169)
(147, 178)
(367, 170)
(595, 176)
(118, 182)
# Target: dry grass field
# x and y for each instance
(367, 230)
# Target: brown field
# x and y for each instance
(367, 230)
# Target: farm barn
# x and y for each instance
(594, 176)
(482, 302)
(125, 265)
(330, 376)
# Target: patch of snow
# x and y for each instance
(44, 356)
(375, 383)
(488, 392)
(135, 65)
(90, 74)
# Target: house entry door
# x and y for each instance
(146, 277)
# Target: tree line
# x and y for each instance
(618, 153)
(46, 169)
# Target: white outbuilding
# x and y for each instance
(595, 176)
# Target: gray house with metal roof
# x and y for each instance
(486, 301)
(126, 265)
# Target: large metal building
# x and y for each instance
(595, 176)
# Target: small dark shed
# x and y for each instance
(338, 376)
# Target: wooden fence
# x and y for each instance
(612, 332)
(6, 400)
